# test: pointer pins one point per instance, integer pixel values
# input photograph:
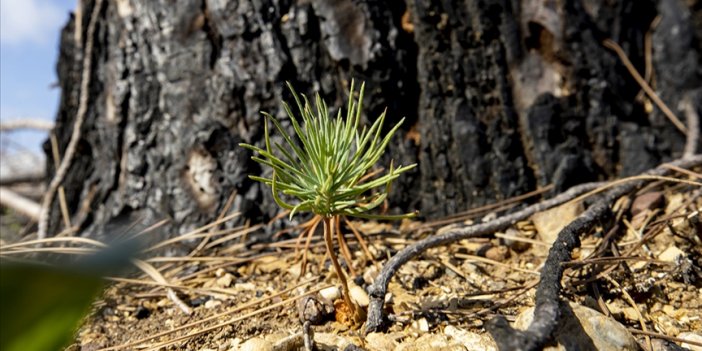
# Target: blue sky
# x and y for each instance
(29, 39)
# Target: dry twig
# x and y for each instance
(19, 203)
(608, 43)
(26, 123)
(77, 126)
(379, 288)
(693, 123)
(547, 310)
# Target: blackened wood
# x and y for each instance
(501, 97)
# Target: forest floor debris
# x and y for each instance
(642, 274)
(439, 301)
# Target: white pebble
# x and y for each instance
(331, 293)
(359, 296)
(212, 303)
(256, 344)
(691, 337)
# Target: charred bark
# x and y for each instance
(501, 97)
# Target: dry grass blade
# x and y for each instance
(79, 240)
(633, 304)
(222, 213)
(151, 228)
(156, 275)
(192, 234)
(665, 337)
(214, 317)
(630, 179)
(344, 248)
(520, 239)
(57, 250)
(239, 233)
(647, 88)
(214, 292)
(61, 191)
(196, 259)
(496, 263)
(231, 321)
(360, 239)
(306, 249)
(614, 260)
(693, 126)
(684, 171)
(497, 206)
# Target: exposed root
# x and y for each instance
(343, 247)
(360, 239)
(328, 236)
(308, 229)
(306, 232)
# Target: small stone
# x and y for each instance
(295, 270)
(212, 303)
(289, 343)
(489, 217)
(388, 298)
(671, 254)
(695, 337)
(358, 295)
(470, 340)
(630, 313)
(225, 280)
(313, 310)
(370, 274)
(549, 223)
(380, 342)
(430, 342)
(331, 293)
(245, 286)
(497, 253)
(582, 328)
(421, 325)
(256, 344)
(234, 344)
(326, 341)
(646, 202)
(516, 245)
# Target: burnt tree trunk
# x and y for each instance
(501, 97)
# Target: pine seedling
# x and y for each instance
(325, 167)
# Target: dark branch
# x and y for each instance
(547, 305)
(547, 312)
(379, 287)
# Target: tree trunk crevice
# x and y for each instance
(500, 97)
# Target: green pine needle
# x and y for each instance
(322, 166)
